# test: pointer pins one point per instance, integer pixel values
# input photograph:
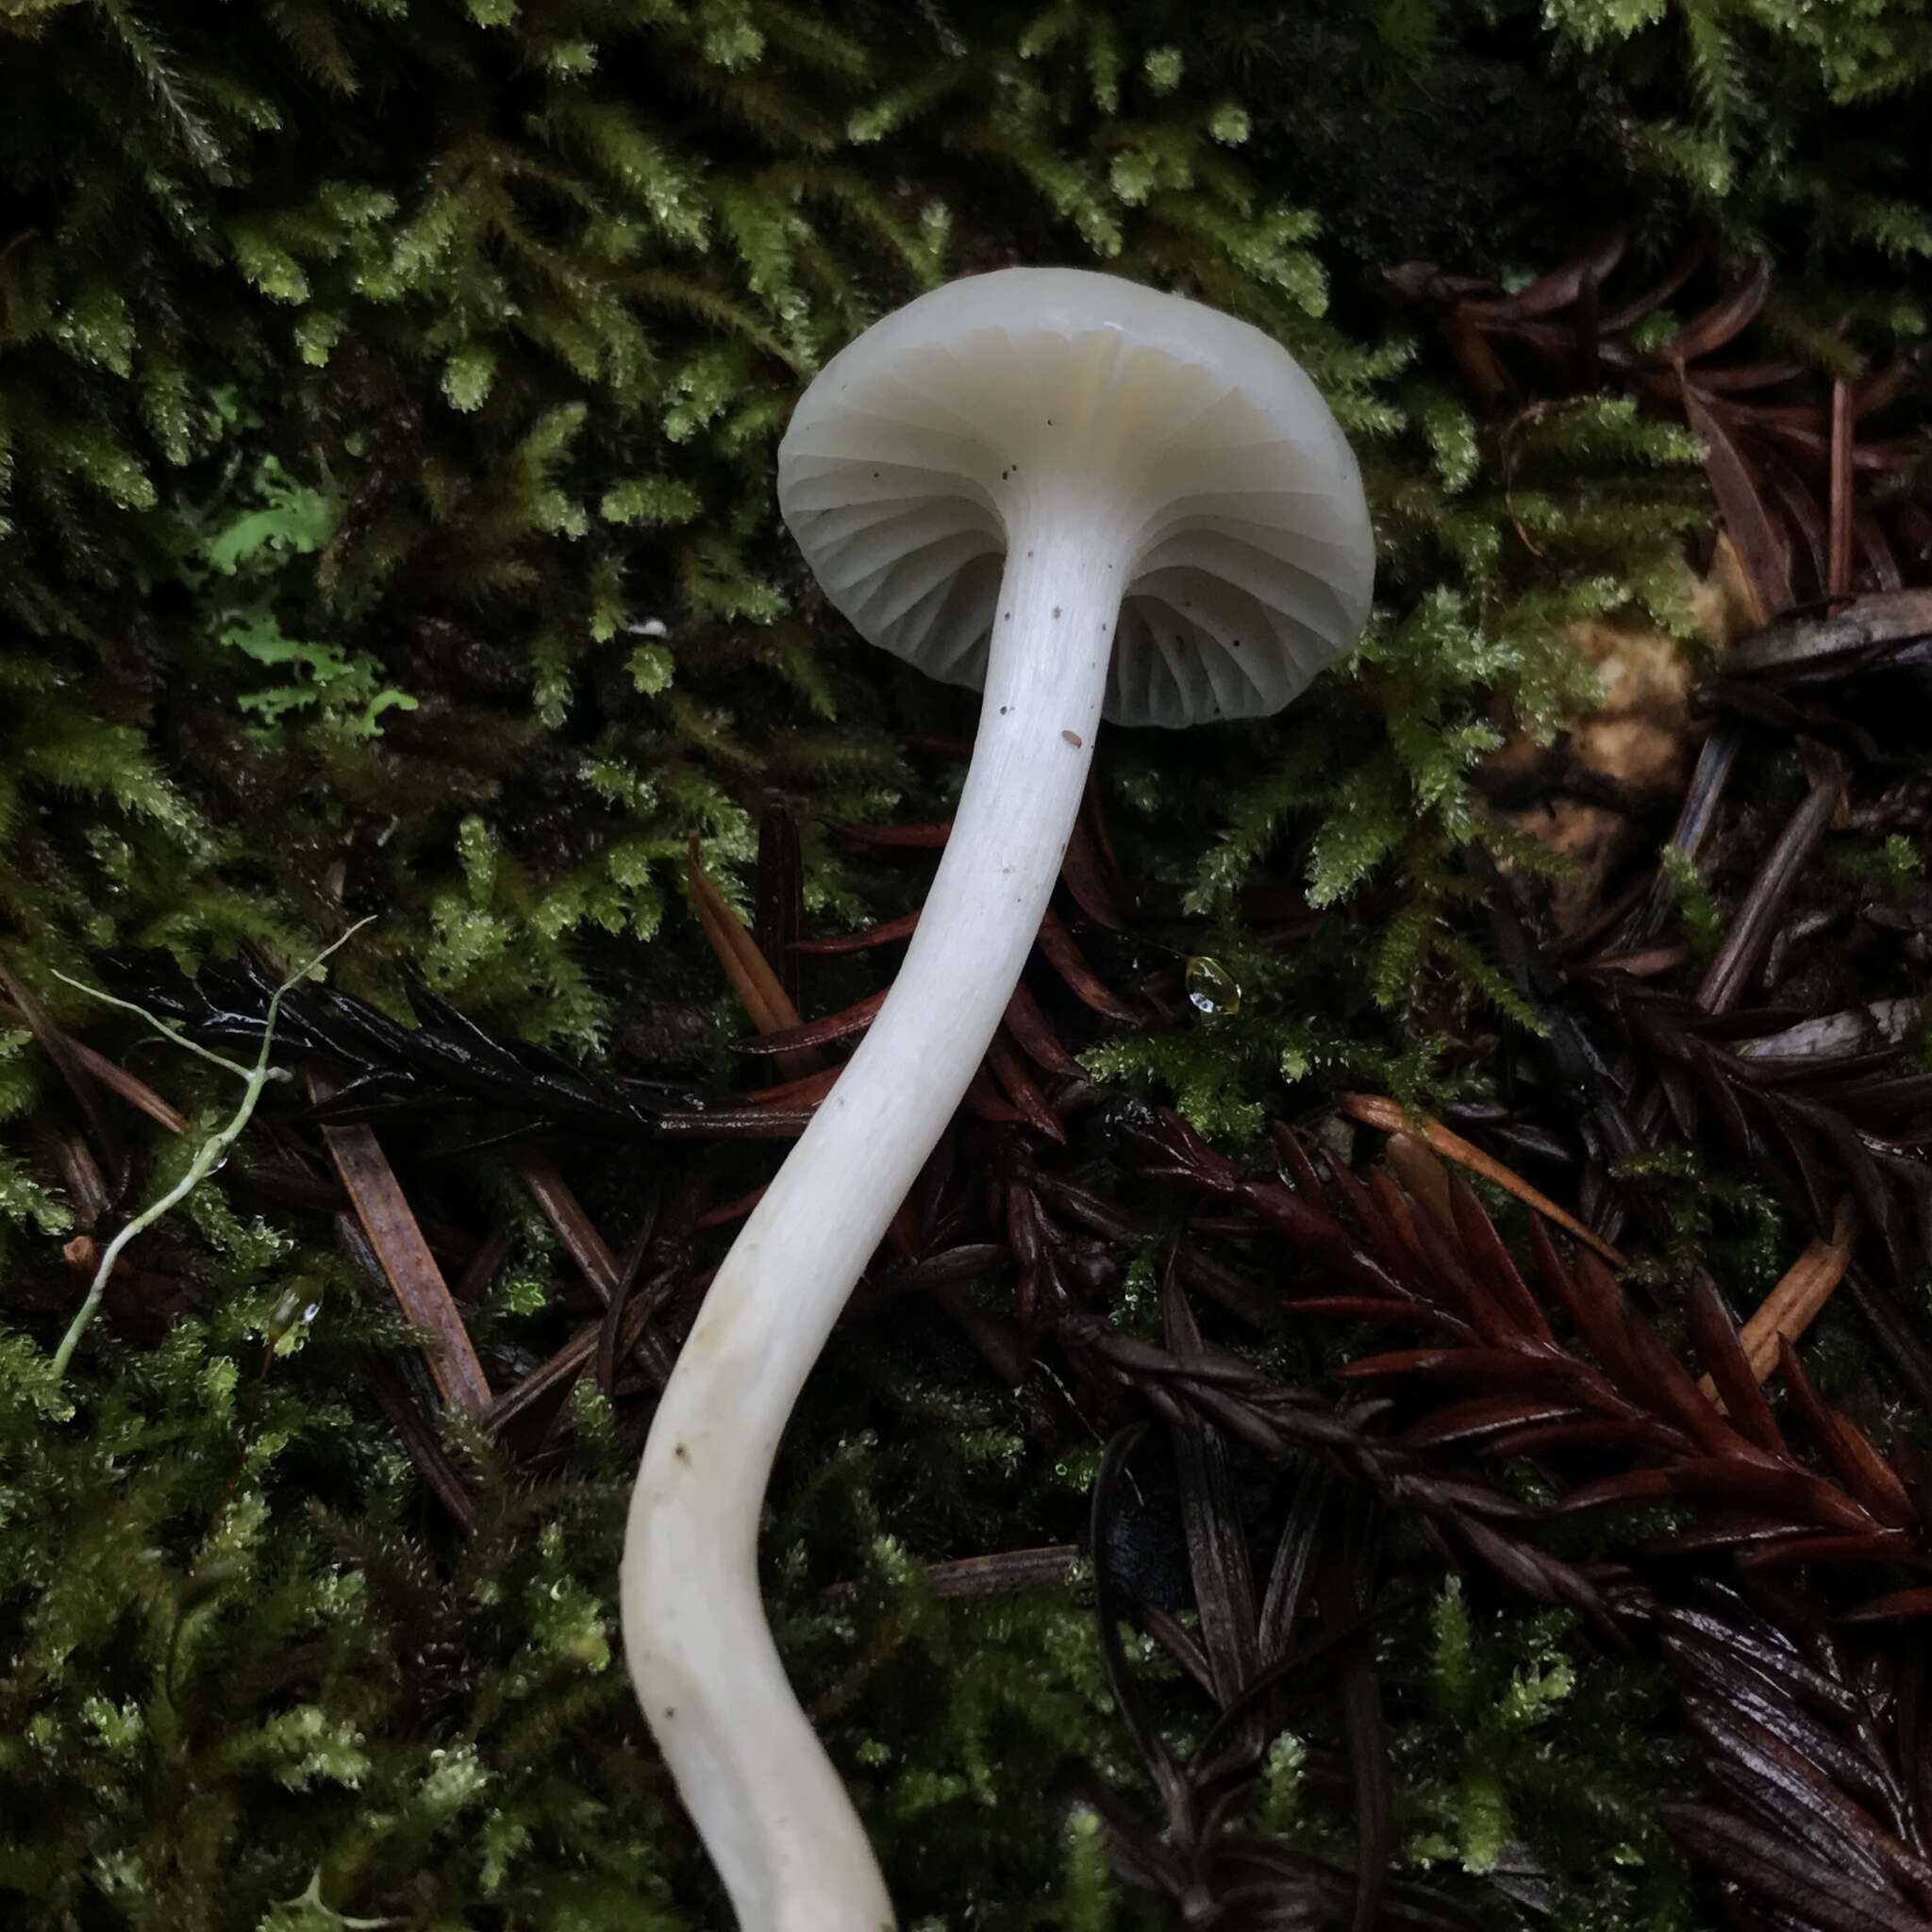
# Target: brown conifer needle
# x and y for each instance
(115, 1077)
(1793, 1304)
(765, 1001)
(1378, 1110)
(396, 1237)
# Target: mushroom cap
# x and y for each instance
(1006, 400)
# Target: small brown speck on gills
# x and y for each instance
(679, 1451)
(1073, 738)
(671, 1711)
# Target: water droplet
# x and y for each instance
(1211, 986)
(294, 1311)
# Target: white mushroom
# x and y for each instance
(1089, 499)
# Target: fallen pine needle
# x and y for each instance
(115, 1077)
(396, 1238)
(765, 1001)
(1801, 1293)
(1378, 1110)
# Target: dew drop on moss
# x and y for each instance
(1211, 986)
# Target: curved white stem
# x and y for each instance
(766, 1799)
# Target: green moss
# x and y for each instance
(1543, 1766)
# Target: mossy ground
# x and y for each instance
(387, 398)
